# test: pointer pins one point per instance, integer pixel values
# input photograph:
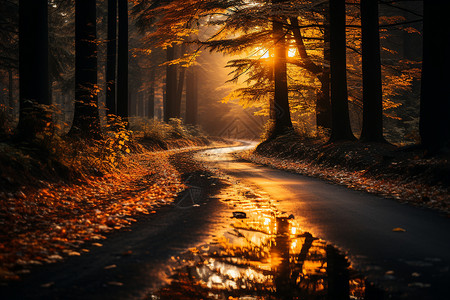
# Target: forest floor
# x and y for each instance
(50, 206)
(384, 169)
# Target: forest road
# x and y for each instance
(132, 262)
(392, 243)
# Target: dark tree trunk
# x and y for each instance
(191, 96)
(171, 87)
(86, 120)
(434, 99)
(122, 64)
(11, 90)
(341, 128)
(282, 121)
(180, 87)
(372, 129)
(140, 104)
(33, 65)
(323, 104)
(151, 95)
(111, 57)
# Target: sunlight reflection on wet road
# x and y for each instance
(263, 255)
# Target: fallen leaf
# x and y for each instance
(110, 267)
(398, 229)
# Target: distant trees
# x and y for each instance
(172, 107)
(191, 95)
(86, 120)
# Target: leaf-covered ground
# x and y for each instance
(57, 219)
(403, 174)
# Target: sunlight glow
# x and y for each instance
(292, 52)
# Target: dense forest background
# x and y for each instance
(165, 59)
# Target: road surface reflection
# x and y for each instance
(264, 254)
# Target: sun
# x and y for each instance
(265, 53)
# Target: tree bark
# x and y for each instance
(282, 119)
(33, 65)
(10, 91)
(86, 121)
(180, 86)
(341, 128)
(191, 95)
(151, 95)
(434, 99)
(323, 105)
(171, 86)
(372, 128)
(111, 57)
(122, 63)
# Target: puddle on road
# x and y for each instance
(264, 254)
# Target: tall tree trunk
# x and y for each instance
(341, 128)
(140, 104)
(180, 87)
(33, 65)
(86, 120)
(434, 98)
(191, 95)
(122, 64)
(11, 91)
(151, 95)
(282, 121)
(111, 57)
(372, 129)
(323, 104)
(171, 86)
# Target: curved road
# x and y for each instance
(359, 223)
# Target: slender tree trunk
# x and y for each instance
(140, 104)
(163, 110)
(191, 96)
(111, 57)
(341, 128)
(86, 120)
(11, 90)
(282, 121)
(33, 65)
(434, 98)
(180, 87)
(372, 129)
(151, 95)
(171, 86)
(323, 104)
(122, 64)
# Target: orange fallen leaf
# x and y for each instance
(398, 229)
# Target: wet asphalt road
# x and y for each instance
(360, 224)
